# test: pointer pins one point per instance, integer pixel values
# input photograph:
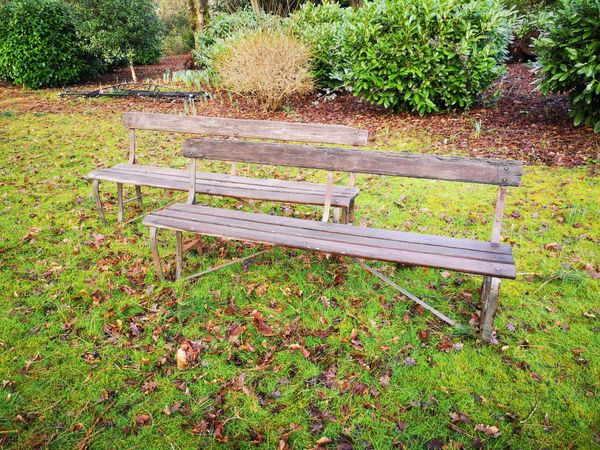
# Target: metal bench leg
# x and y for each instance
(178, 254)
(138, 193)
(349, 213)
(407, 294)
(120, 201)
(490, 292)
(96, 191)
(337, 214)
(155, 255)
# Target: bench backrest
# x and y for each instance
(474, 170)
(244, 128)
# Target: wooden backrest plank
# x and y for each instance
(244, 128)
(474, 170)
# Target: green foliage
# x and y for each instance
(322, 28)
(38, 44)
(120, 31)
(569, 58)
(537, 19)
(225, 26)
(426, 55)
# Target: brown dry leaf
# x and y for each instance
(181, 358)
(305, 352)
(149, 386)
(490, 430)
(384, 380)
(142, 419)
(260, 324)
(554, 246)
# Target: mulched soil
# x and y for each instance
(522, 125)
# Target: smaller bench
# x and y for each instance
(227, 185)
(491, 259)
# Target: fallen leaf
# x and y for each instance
(487, 429)
(536, 377)
(410, 361)
(181, 358)
(149, 386)
(142, 419)
(260, 324)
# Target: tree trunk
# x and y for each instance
(203, 14)
(133, 75)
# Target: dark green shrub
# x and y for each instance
(120, 31)
(426, 55)
(569, 58)
(223, 26)
(322, 28)
(38, 44)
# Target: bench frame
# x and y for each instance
(236, 128)
(498, 172)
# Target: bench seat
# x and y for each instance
(462, 255)
(226, 185)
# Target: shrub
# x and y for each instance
(322, 27)
(224, 26)
(426, 55)
(268, 65)
(38, 44)
(569, 58)
(120, 31)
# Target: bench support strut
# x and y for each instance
(155, 255)
(415, 299)
(96, 190)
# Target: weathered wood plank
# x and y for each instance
(474, 170)
(305, 229)
(391, 235)
(320, 244)
(244, 128)
(227, 186)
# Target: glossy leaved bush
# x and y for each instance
(38, 44)
(569, 58)
(426, 56)
(322, 28)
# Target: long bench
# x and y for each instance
(227, 185)
(491, 259)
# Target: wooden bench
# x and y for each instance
(491, 259)
(228, 185)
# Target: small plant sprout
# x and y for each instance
(477, 128)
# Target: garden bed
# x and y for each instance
(522, 125)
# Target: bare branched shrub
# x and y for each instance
(268, 65)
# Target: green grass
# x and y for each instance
(70, 288)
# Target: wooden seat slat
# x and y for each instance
(299, 234)
(376, 233)
(228, 185)
(304, 228)
(222, 178)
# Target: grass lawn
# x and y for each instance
(88, 337)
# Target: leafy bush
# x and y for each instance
(322, 28)
(426, 55)
(268, 65)
(569, 58)
(38, 44)
(225, 26)
(120, 31)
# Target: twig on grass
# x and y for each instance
(84, 442)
